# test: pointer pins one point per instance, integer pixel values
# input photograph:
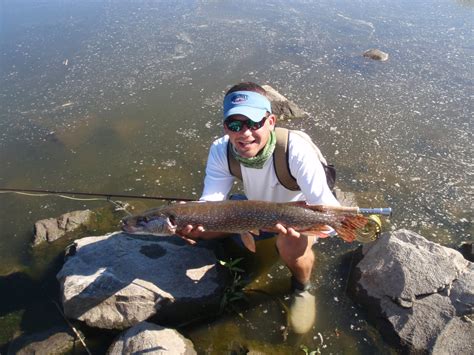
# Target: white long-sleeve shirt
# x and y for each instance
(262, 184)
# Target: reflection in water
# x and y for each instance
(125, 97)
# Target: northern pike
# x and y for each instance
(246, 216)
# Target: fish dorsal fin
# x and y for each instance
(297, 203)
(325, 208)
(303, 204)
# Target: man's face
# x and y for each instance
(249, 142)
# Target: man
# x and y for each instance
(249, 127)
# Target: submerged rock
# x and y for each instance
(149, 338)
(281, 106)
(420, 293)
(51, 229)
(345, 198)
(467, 249)
(116, 281)
(376, 54)
(58, 340)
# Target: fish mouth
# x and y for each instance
(171, 227)
(127, 228)
(168, 228)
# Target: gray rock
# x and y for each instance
(448, 342)
(419, 292)
(150, 338)
(51, 229)
(116, 281)
(58, 340)
(281, 106)
(376, 54)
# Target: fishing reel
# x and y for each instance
(371, 231)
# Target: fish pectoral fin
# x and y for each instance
(249, 241)
(255, 232)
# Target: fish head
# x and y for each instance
(154, 224)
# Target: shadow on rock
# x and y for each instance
(116, 281)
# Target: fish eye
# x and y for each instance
(143, 219)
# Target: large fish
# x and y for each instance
(244, 217)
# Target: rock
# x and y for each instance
(376, 54)
(419, 292)
(448, 341)
(281, 106)
(345, 198)
(116, 281)
(467, 249)
(149, 338)
(52, 229)
(59, 340)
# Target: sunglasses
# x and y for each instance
(236, 125)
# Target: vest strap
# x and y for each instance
(234, 164)
(281, 160)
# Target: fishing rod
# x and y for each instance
(108, 196)
(383, 211)
(321, 208)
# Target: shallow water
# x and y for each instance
(124, 97)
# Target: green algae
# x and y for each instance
(10, 325)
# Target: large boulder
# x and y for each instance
(51, 229)
(149, 338)
(420, 293)
(116, 281)
(281, 106)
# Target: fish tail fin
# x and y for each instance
(347, 229)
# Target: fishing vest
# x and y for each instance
(281, 163)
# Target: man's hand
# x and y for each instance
(289, 232)
(191, 233)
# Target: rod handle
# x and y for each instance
(384, 211)
(387, 211)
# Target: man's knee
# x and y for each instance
(291, 251)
